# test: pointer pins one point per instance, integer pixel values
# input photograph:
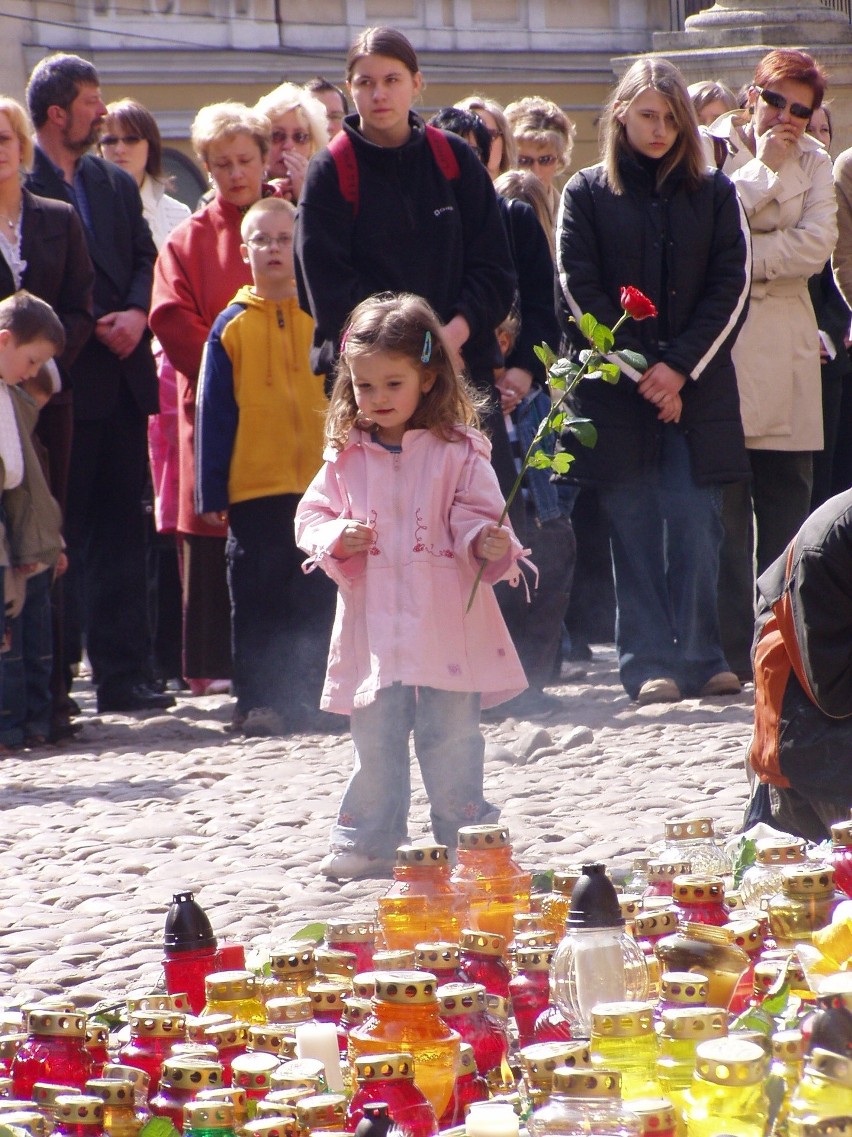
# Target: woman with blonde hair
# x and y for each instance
(199, 270)
(544, 136)
(504, 153)
(711, 99)
(299, 129)
(653, 216)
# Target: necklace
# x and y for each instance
(12, 222)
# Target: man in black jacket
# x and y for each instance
(803, 725)
(114, 381)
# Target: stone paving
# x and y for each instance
(96, 836)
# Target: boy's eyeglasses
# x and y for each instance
(110, 140)
(300, 137)
(779, 103)
(262, 241)
(527, 160)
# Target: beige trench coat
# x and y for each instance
(793, 221)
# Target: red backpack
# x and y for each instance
(343, 153)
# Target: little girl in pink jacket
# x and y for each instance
(401, 517)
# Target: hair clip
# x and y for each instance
(426, 354)
(344, 337)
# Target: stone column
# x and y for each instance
(727, 40)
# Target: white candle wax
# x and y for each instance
(319, 1040)
(491, 1119)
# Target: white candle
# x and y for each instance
(491, 1119)
(319, 1040)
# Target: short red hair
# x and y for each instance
(788, 63)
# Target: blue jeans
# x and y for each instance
(665, 535)
(27, 665)
(373, 816)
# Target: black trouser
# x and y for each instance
(536, 627)
(106, 541)
(280, 617)
(776, 503)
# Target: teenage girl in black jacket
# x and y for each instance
(412, 229)
(650, 215)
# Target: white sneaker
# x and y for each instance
(352, 865)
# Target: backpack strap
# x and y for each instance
(346, 162)
(443, 153)
(343, 153)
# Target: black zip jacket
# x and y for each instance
(415, 231)
(690, 252)
(534, 265)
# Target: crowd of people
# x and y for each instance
(329, 363)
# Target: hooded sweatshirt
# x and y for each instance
(260, 411)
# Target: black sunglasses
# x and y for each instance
(779, 103)
(110, 140)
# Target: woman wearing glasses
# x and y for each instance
(131, 139)
(784, 181)
(198, 272)
(299, 129)
(544, 136)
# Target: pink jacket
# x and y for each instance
(401, 607)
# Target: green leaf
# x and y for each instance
(746, 856)
(556, 382)
(610, 372)
(561, 463)
(540, 461)
(634, 358)
(584, 430)
(314, 932)
(603, 339)
(586, 354)
(588, 323)
(557, 420)
(542, 881)
(546, 354)
(158, 1127)
(593, 375)
(564, 368)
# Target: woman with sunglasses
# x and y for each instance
(131, 139)
(784, 181)
(544, 137)
(299, 129)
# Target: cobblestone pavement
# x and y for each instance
(97, 835)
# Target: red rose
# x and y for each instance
(636, 303)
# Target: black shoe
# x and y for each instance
(133, 697)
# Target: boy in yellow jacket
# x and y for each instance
(258, 444)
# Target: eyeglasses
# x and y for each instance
(110, 140)
(300, 137)
(779, 103)
(527, 160)
(262, 241)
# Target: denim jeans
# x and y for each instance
(373, 816)
(665, 535)
(27, 665)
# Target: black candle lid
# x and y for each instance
(187, 925)
(594, 901)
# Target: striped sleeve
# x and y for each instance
(723, 306)
(216, 419)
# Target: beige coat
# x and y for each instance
(793, 221)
